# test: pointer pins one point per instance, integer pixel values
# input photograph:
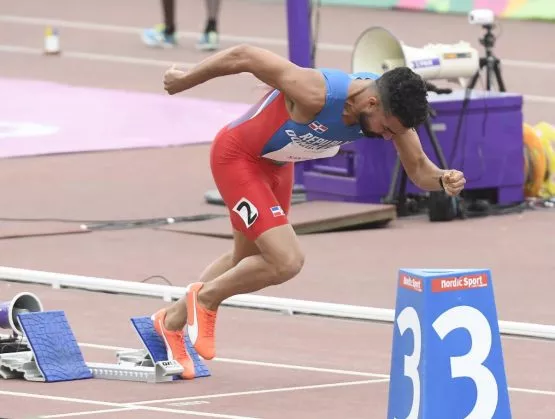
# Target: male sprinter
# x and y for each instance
(308, 115)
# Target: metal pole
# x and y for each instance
(299, 32)
(300, 45)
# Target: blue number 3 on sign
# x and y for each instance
(447, 359)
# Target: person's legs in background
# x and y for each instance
(163, 35)
(209, 40)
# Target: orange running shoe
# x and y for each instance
(201, 323)
(175, 345)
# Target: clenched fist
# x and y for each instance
(173, 80)
(453, 182)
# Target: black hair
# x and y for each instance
(403, 94)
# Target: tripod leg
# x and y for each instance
(390, 197)
(473, 80)
(402, 199)
(497, 71)
(482, 63)
(440, 198)
(435, 144)
(489, 75)
(397, 198)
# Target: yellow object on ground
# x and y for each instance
(534, 161)
(546, 134)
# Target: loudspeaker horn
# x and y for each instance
(24, 302)
(377, 50)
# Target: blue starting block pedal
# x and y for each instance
(150, 364)
(157, 349)
(51, 353)
(447, 359)
(55, 351)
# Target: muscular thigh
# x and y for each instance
(282, 186)
(242, 247)
(249, 189)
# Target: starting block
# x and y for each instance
(54, 354)
(49, 352)
(154, 355)
(447, 359)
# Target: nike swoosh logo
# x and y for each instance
(192, 329)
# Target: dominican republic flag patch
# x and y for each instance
(277, 211)
(318, 127)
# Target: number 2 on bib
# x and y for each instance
(247, 211)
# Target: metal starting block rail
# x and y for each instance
(49, 352)
(158, 373)
(19, 365)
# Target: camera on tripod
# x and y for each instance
(492, 64)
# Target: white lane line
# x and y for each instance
(88, 412)
(308, 368)
(282, 42)
(265, 391)
(258, 363)
(119, 405)
(165, 63)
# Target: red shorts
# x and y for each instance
(256, 191)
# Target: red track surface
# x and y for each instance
(295, 367)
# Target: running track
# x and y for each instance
(269, 365)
